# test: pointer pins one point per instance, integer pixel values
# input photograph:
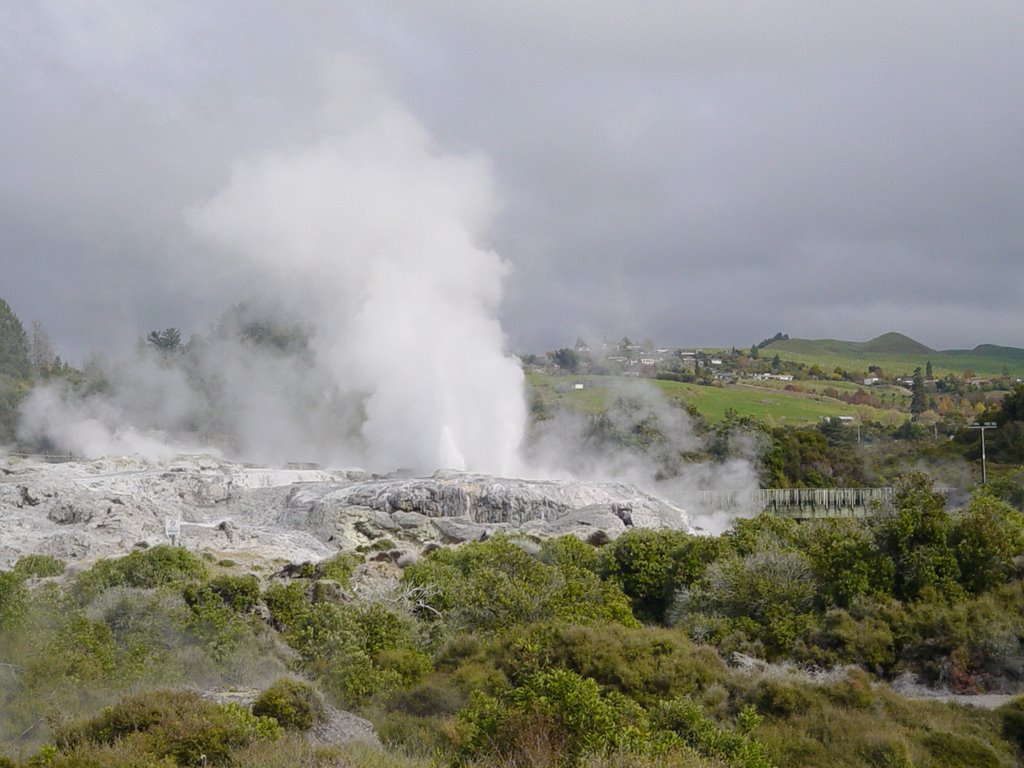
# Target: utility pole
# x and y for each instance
(983, 427)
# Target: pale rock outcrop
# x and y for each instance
(81, 511)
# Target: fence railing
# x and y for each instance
(805, 502)
(51, 458)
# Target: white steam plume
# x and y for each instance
(372, 240)
(643, 439)
(376, 237)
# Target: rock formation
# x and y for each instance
(80, 511)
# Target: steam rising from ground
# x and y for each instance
(376, 340)
(373, 240)
(645, 440)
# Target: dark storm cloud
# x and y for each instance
(696, 173)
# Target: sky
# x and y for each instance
(697, 174)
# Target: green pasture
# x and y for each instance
(887, 393)
(829, 354)
(773, 406)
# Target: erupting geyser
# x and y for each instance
(373, 242)
(377, 238)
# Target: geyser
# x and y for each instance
(373, 240)
(377, 237)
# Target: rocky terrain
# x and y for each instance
(83, 510)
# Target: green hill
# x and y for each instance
(898, 354)
(897, 344)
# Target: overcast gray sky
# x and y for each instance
(697, 173)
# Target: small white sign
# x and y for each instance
(172, 526)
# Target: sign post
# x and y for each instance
(172, 527)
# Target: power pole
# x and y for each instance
(983, 427)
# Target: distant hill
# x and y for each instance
(896, 343)
(899, 354)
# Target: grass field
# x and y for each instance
(773, 406)
(899, 356)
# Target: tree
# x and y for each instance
(918, 399)
(986, 537)
(918, 541)
(928, 373)
(167, 340)
(15, 370)
(1012, 407)
(567, 360)
(41, 352)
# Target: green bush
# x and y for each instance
(176, 724)
(162, 566)
(767, 596)
(287, 603)
(952, 750)
(737, 748)
(986, 537)
(242, 593)
(13, 599)
(1012, 721)
(917, 540)
(294, 704)
(646, 664)
(845, 560)
(39, 566)
(553, 718)
(569, 550)
(493, 585)
(650, 565)
(339, 567)
(222, 630)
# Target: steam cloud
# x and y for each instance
(368, 247)
(641, 439)
(373, 240)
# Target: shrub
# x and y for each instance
(841, 638)
(221, 629)
(845, 560)
(157, 567)
(986, 537)
(85, 650)
(650, 564)
(955, 751)
(339, 568)
(554, 718)
(242, 593)
(427, 700)
(294, 704)
(287, 603)
(568, 550)
(1012, 721)
(646, 664)
(39, 565)
(493, 585)
(409, 664)
(176, 724)
(917, 541)
(766, 595)
(13, 599)
(735, 747)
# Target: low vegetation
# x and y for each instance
(642, 652)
